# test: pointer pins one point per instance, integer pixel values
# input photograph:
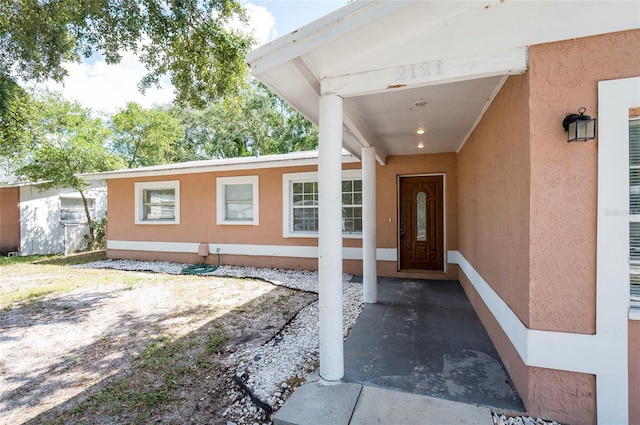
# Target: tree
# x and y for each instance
(145, 137)
(190, 40)
(17, 112)
(255, 120)
(70, 142)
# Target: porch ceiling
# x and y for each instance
(383, 57)
(446, 113)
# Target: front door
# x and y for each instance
(421, 223)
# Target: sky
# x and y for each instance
(107, 88)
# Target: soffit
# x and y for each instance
(366, 37)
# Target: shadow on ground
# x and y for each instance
(134, 371)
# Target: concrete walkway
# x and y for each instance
(322, 403)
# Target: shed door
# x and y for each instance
(421, 223)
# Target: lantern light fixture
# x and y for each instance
(579, 127)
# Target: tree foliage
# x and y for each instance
(17, 112)
(69, 142)
(145, 137)
(251, 122)
(190, 40)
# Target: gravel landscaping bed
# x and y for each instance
(267, 373)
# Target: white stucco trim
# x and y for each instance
(221, 185)
(140, 187)
(293, 251)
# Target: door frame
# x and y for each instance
(444, 219)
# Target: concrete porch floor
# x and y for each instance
(420, 355)
(424, 337)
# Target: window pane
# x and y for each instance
(239, 211)
(357, 199)
(308, 187)
(421, 225)
(297, 199)
(347, 185)
(239, 192)
(634, 209)
(159, 195)
(297, 188)
(347, 199)
(634, 171)
(159, 212)
(305, 219)
(634, 143)
(72, 210)
(357, 185)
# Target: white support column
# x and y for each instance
(369, 264)
(330, 237)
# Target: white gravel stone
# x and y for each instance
(520, 420)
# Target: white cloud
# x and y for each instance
(262, 23)
(105, 87)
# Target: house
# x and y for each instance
(46, 222)
(459, 168)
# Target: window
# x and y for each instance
(72, 209)
(634, 211)
(237, 200)
(158, 202)
(300, 209)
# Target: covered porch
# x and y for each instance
(425, 95)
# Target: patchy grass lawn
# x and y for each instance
(84, 346)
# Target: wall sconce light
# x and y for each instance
(579, 127)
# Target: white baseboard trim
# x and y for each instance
(348, 253)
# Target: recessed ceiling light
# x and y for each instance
(421, 103)
(420, 145)
(420, 131)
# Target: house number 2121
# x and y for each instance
(418, 70)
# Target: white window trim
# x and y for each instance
(139, 208)
(287, 184)
(221, 182)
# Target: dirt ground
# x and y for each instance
(112, 347)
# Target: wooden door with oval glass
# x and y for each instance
(421, 223)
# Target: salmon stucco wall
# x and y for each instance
(387, 205)
(9, 220)
(493, 196)
(564, 175)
